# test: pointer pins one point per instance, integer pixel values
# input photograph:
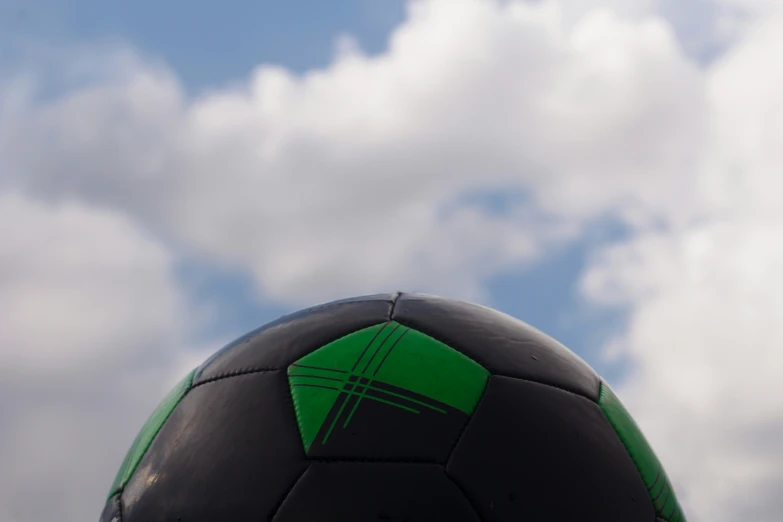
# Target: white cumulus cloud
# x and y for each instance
(92, 330)
(341, 176)
(706, 303)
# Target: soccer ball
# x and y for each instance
(394, 408)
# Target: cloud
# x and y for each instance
(703, 338)
(706, 326)
(92, 329)
(336, 181)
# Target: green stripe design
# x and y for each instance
(389, 363)
(148, 432)
(653, 475)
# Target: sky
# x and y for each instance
(174, 176)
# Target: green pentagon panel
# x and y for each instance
(149, 431)
(388, 363)
(653, 475)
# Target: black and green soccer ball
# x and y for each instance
(392, 408)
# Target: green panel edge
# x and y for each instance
(148, 432)
(655, 479)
